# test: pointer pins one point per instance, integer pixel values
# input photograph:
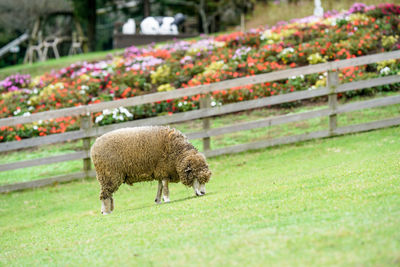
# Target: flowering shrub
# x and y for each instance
(362, 30)
(14, 83)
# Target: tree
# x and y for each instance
(146, 8)
(86, 12)
(19, 15)
(209, 11)
(242, 7)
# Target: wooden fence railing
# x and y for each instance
(88, 131)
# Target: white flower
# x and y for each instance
(35, 127)
(16, 112)
(126, 112)
(99, 119)
(385, 71)
(26, 114)
(213, 103)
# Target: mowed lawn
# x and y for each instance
(330, 202)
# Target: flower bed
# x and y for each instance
(360, 31)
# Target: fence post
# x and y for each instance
(205, 102)
(86, 124)
(332, 83)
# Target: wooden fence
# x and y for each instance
(88, 131)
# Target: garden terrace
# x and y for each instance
(332, 90)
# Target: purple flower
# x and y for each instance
(14, 82)
(186, 59)
(358, 8)
(142, 63)
(241, 52)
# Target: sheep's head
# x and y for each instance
(193, 171)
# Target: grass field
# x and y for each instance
(39, 68)
(328, 202)
(269, 13)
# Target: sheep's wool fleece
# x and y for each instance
(138, 154)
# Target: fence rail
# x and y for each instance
(205, 112)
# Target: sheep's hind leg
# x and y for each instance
(159, 192)
(107, 206)
(108, 187)
(165, 191)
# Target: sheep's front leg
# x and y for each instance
(165, 191)
(107, 206)
(159, 191)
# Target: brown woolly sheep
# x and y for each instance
(132, 155)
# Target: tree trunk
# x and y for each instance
(203, 16)
(92, 19)
(146, 8)
(242, 22)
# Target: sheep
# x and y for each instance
(131, 155)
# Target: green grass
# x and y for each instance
(39, 68)
(269, 13)
(356, 117)
(330, 202)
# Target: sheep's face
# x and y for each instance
(107, 206)
(196, 173)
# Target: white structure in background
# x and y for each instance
(161, 25)
(149, 26)
(168, 26)
(318, 10)
(129, 27)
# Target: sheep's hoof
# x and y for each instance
(166, 200)
(202, 193)
(107, 206)
(157, 201)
